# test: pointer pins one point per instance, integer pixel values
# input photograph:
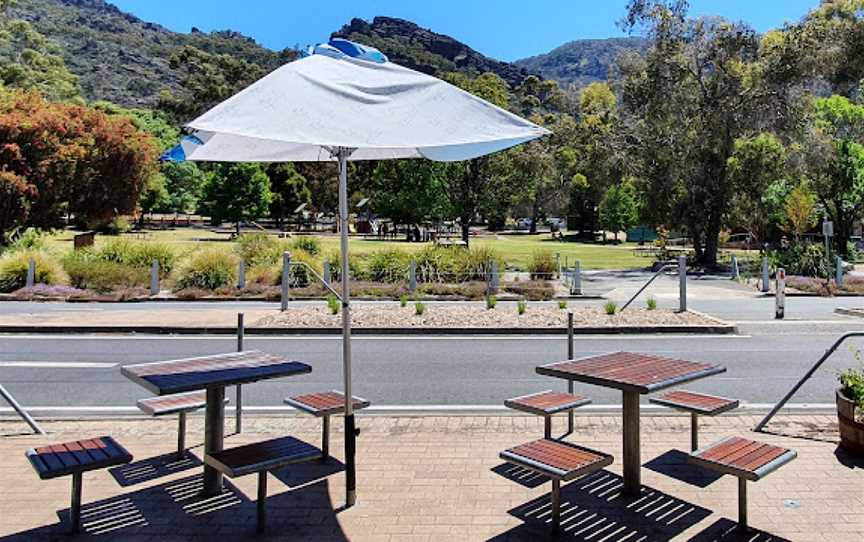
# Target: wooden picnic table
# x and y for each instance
(634, 375)
(212, 373)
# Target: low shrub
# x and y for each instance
(270, 274)
(333, 304)
(257, 248)
(355, 264)
(29, 239)
(101, 276)
(562, 304)
(805, 259)
(419, 308)
(491, 302)
(610, 308)
(468, 290)
(14, 266)
(852, 385)
(138, 254)
(521, 306)
(388, 266)
(403, 301)
(533, 290)
(542, 265)
(208, 269)
(651, 304)
(476, 263)
(307, 244)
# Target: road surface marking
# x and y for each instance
(655, 337)
(57, 365)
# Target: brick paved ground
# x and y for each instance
(439, 478)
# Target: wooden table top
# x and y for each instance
(631, 372)
(182, 375)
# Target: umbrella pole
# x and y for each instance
(350, 432)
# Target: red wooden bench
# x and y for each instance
(546, 404)
(745, 459)
(76, 458)
(323, 405)
(697, 404)
(261, 458)
(560, 461)
(181, 404)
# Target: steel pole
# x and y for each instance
(571, 422)
(350, 434)
(20, 410)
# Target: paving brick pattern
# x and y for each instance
(439, 478)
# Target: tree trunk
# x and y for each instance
(237, 228)
(466, 232)
(535, 212)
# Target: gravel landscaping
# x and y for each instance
(438, 316)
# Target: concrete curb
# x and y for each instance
(849, 312)
(718, 329)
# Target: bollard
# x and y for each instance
(736, 273)
(154, 278)
(570, 355)
(241, 275)
(412, 276)
(31, 273)
(327, 275)
(286, 272)
(238, 396)
(765, 277)
(682, 283)
(576, 279)
(780, 298)
(493, 279)
(839, 277)
(558, 262)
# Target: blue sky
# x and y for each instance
(503, 29)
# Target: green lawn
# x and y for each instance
(515, 249)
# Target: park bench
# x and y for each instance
(323, 405)
(76, 458)
(547, 404)
(559, 461)
(261, 458)
(745, 459)
(697, 404)
(181, 404)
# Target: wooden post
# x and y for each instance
(286, 273)
(682, 283)
(632, 460)
(31, 273)
(154, 278)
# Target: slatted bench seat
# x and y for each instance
(745, 459)
(697, 404)
(546, 404)
(261, 458)
(181, 404)
(323, 405)
(560, 461)
(76, 458)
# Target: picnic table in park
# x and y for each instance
(212, 373)
(634, 375)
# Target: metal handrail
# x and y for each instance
(642, 289)
(20, 410)
(319, 277)
(806, 377)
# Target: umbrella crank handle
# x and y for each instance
(356, 431)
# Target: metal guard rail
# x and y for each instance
(647, 284)
(806, 377)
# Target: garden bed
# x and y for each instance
(437, 316)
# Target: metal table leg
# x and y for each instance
(214, 429)
(632, 452)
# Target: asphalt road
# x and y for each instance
(81, 370)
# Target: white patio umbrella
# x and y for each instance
(342, 102)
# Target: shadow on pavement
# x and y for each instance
(725, 530)
(153, 468)
(674, 464)
(310, 471)
(593, 508)
(848, 460)
(176, 510)
(521, 476)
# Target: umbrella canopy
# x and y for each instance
(347, 102)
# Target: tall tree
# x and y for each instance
(703, 85)
(289, 188)
(236, 193)
(408, 191)
(619, 209)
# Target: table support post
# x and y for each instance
(214, 427)
(742, 504)
(694, 431)
(632, 453)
